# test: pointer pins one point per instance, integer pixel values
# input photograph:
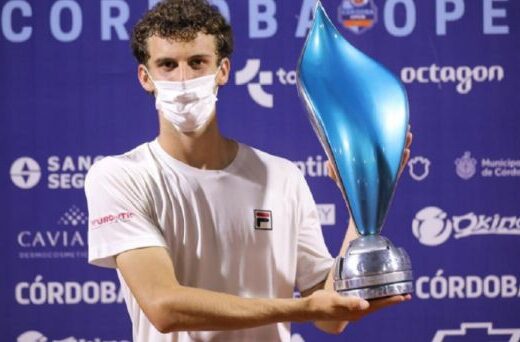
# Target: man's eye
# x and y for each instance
(169, 65)
(196, 63)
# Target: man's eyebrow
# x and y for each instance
(163, 60)
(201, 55)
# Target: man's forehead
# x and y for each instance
(202, 45)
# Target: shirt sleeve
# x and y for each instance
(314, 259)
(119, 212)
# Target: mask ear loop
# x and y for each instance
(216, 75)
(151, 79)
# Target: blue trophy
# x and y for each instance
(359, 111)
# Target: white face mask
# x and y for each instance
(188, 105)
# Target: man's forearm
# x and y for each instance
(337, 326)
(188, 308)
(169, 306)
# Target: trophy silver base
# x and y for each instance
(373, 268)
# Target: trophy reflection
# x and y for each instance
(359, 111)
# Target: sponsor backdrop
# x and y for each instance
(70, 96)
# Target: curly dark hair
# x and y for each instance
(182, 20)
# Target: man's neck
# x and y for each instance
(207, 149)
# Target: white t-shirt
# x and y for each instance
(250, 230)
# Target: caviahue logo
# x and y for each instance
(65, 240)
(73, 217)
(432, 227)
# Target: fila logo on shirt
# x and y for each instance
(263, 219)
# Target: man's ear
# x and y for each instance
(223, 74)
(144, 79)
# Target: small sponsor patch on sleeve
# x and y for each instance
(110, 219)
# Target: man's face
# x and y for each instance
(177, 61)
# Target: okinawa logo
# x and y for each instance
(484, 330)
(465, 166)
(357, 15)
(419, 168)
(432, 227)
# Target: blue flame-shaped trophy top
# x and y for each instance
(360, 112)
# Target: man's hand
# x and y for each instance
(406, 156)
(328, 305)
(335, 311)
(406, 153)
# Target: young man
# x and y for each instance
(209, 236)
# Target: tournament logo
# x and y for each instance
(263, 219)
(357, 15)
(466, 167)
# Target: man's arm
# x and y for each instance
(149, 273)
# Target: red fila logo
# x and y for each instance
(101, 221)
(263, 219)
